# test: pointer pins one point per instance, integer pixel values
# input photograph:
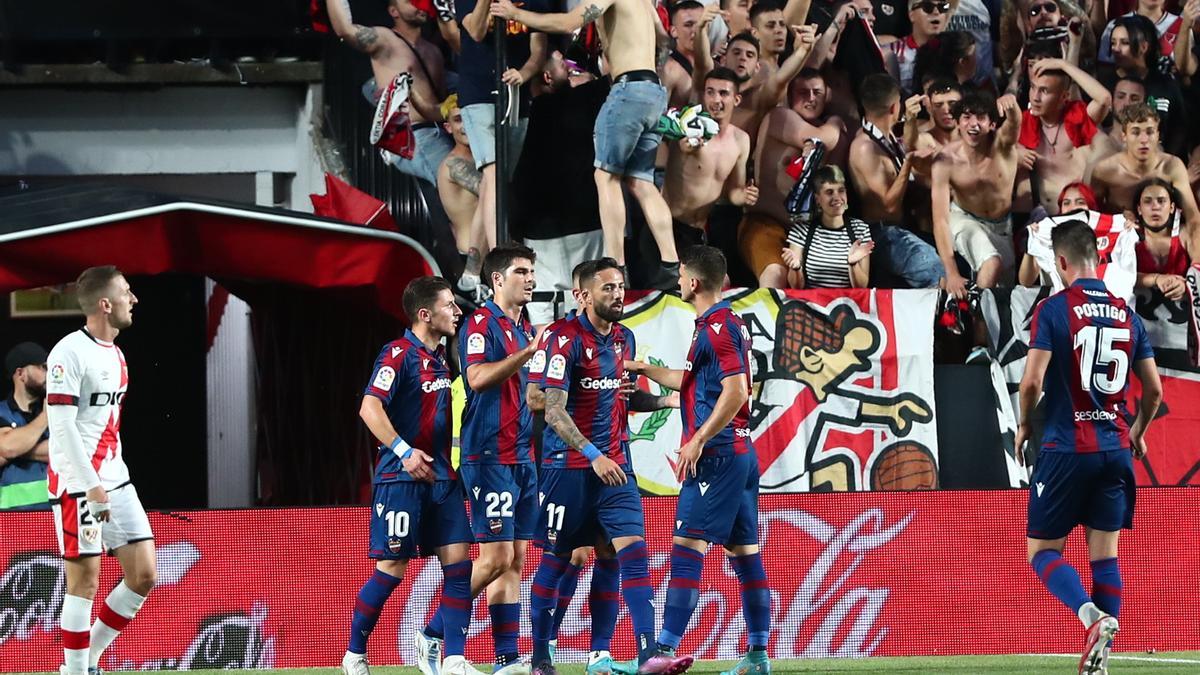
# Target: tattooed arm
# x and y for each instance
(363, 38)
(559, 419)
(464, 174)
(584, 13)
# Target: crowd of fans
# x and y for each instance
(858, 143)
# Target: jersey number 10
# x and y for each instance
(1098, 352)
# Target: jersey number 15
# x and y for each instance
(1103, 365)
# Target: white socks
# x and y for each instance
(118, 610)
(1089, 614)
(76, 617)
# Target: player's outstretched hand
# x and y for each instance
(636, 367)
(610, 472)
(97, 503)
(1019, 444)
(419, 465)
(689, 454)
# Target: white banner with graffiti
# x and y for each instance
(843, 388)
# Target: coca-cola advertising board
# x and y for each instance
(855, 575)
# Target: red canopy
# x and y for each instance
(42, 244)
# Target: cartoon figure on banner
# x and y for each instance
(823, 352)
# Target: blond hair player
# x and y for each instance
(96, 508)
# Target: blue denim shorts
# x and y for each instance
(479, 121)
(624, 134)
(432, 146)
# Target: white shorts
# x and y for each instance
(556, 259)
(977, 239)
(79, 536)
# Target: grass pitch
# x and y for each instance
(1141, 663)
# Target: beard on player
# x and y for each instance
(611, 312)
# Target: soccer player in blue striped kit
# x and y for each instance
(718, 467)
(587, 486)
(418, 500)
(1083, 345)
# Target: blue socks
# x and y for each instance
(756, 599)
(566, 592)
(366, 609)
(1060, 578)
(604, 602)
(1106, 585)
(455, 610)
(683, 592)
(506, 627)
(639, 596)
(543, 604)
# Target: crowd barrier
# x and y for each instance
(852, 575)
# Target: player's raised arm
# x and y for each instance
(363, 38)
(584, 13)
(667, 377)
(483, 375)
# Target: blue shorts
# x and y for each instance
(624, 136)
(411, 519)
(578, 509)
(1095, 489)
(720, 505)
(504, 500)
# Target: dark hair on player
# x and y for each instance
(422, 293)
(680, 6)
(1075, 241)
(1037, 50)
(500, 258)
(977, 102)
(942, 85)
(748, 38)
(581, 271)
(725, 74)
(1142, 34)
(706, 264)
(93, 284)
(877, 92)
(1172, 194)
(764, 6)
(598, 266)
(1129, 77)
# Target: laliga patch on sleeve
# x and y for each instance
(558, 367)
(538, 363)
(384, 378)
(475, 343)
(58, 374)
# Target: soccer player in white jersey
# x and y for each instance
(96, 508)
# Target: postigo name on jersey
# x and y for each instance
(436, 385)
(601, 383)
(1095, 416)
(1094, 310)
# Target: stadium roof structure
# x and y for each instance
(47, 236)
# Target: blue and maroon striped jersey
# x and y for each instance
(590, 367)
(414, 385)
(497, 426)
(720, 349)
(1093, 338)
(537, 364)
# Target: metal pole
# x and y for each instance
(499, 31)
